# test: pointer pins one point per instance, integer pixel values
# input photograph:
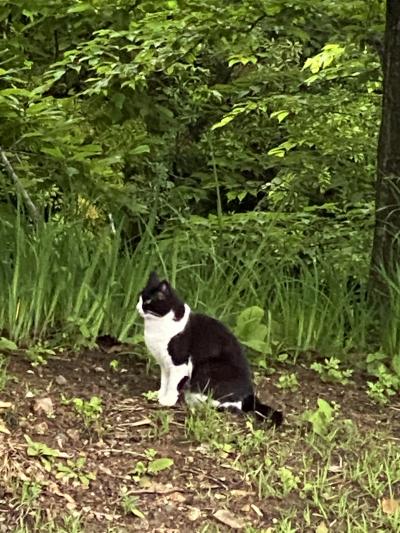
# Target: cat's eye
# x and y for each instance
(147, 301)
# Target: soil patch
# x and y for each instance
(100, 470)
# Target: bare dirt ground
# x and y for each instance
(188, 496)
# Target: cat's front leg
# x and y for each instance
(176, 375)
(162, 391)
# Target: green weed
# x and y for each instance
(288, 381)
(387, 382)
(322, 418)
(152, 466)
(30, 492)
(330, 371)
(74, 470)
(130, 503)
(89, 410)
(160, 423)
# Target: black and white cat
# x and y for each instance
(198, 352)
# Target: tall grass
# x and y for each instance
(62, 279)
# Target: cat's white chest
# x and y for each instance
(158, 331)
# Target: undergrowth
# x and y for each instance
(66, 283)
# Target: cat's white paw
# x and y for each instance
(168, 399)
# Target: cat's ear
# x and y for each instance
(153, 280)
(164, 288)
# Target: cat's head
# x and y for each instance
(158, 299)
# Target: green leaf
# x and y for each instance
(321, 418)
(40, 449)
(250, 330)
(136, 512)
(80, 8)
(223, 122)
(141, 149)
(6, 344)
(55, 152)
(159, 464)
(280, 115)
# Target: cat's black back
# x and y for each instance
(219, 364)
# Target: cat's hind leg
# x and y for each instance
(195, 398)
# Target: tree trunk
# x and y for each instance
(385, 261)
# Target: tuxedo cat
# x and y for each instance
(196, 352)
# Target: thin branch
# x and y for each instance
(33, 212)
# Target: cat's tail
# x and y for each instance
(262, 411)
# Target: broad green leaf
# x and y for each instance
(80, 8)
(223, 122)
(6, 344)
(157, 465)
(250, 329)
(280, 115)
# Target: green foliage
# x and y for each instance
(330, 371)
(289, 480)
(6, 344)
(157, 465)
(152, 467)
(161, 421)
(288, 381)
(38, 354)
(75, 471)
(130, 504)
(116, 102)
(39, 449)
(322, 418)
(30, 492)
(89, 410)
(250, 329)
(231, 144)
(387, 383)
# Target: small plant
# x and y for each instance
(74, 470)
(115, 365)
(89, 410)
(288, 381)
(152, 467)
(251, 331)
(206, 425)
(38, 354)
(388, 381)
(321, 419)
(129, 504)
(44, 452)
(289, 480)
(150, 395)
(30, 492)
(330, 371)
(161, 420)
(387, 385)
(39, 449)
(7, 344)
